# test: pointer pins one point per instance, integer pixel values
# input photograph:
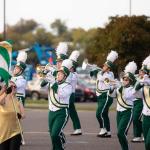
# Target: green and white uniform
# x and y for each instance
(59, 95)
(137, 113)
(104, 100)
(146, 116)
(125, 97)
(72, 79)
(138, 107)
(21, 83)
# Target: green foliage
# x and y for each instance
(43, 37)
(129, 36)
(1, 37)
(24, 26)
(59, 27)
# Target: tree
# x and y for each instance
(24, 26)
(59, 27)
(43, 37)
(129, 36)
(22, 33)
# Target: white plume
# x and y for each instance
(112, 56)
(62, 48)
(146, 60)
(131, 67)
(148, 65)
(74, 55)
(5, 42)
(22, 56)
(67, 63)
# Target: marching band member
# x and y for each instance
(145, 85)
(59, 95)
(104, 100)
(20, 81)
(10, 132)
(146, 117)
(61, 52)
(73, 77)
(125, 96)
(18, 77)
(138, 105)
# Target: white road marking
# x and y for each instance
(77, 142)
(67, 133)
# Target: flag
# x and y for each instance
(5, 60)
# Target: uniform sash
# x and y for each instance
(121, 101)
(55, 101)
(146, 93)
(98, 90)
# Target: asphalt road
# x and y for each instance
(37, 137)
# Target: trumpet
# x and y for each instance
(90, 67)
(43, 70)
(115, 83)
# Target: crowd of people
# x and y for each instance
(132, 93)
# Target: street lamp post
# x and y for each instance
(4, 26)
(130, 8)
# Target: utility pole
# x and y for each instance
(4, 26)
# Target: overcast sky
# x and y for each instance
(76, 13)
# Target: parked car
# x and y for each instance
(88, 88)
(85, 90)
(35, 91)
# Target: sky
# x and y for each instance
(76, 13)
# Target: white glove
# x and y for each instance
(145, 80)
(50, 78)
(50, 68)
(13, 79)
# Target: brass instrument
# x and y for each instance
(90, 67)
(114, 83)
(43, 70)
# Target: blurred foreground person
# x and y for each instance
(10, 112)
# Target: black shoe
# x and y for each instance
(104, 135)
(101, 135)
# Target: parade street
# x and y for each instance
(37, 136)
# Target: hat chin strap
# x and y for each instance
(19, 73)
(63, 80)
(128, 85)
